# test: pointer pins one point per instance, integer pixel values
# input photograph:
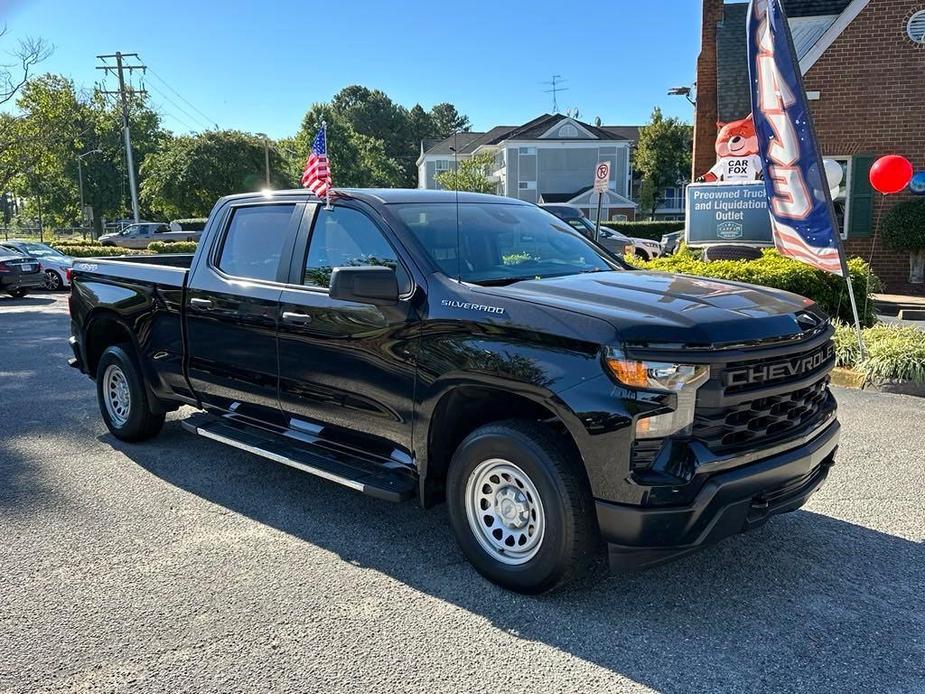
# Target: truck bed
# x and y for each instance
(162, 270)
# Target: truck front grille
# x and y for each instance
(764, 420)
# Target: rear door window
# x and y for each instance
(254, 241)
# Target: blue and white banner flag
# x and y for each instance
(802, 216)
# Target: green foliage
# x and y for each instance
(162, 247)
(662, 157)
(471, 176)
(94, 251)
(775, 270)
(61, 244)
(372, 141)
(903, 226)
(192, 224)
(645, 229)
(188, 174)
(55, 124)
(894, 352)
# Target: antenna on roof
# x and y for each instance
(554, 90)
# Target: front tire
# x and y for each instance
(642, 255)
(122, 398)
(520, 506)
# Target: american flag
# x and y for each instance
(317, 174)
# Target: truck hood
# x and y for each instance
(649, 308)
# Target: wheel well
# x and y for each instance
(641, 254)
(104, 331)
(465, 409)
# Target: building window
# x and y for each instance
(527, 185)
(528, 150)
(841, 198)
(915, 29)
(568, 130)
(442, 165)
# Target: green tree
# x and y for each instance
(447, 120)
(371, 139)
(55, 124)
(662, 157)
(189, 173)
(472, 175)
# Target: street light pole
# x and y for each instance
(80, 179)
(266, 154)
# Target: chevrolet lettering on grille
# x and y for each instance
(775, 371)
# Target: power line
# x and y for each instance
(179, 108)
(210, 121)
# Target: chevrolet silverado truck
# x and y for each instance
(476, 350)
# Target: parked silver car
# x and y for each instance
(55, 264)
(140, 235)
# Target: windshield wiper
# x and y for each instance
(502, 281)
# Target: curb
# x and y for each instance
(846, 378)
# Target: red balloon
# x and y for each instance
(891, 174)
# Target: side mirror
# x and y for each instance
(367, 284)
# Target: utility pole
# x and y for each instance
(124, 92)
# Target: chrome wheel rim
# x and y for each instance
(52, 281)
(116, 395)
(505, 511)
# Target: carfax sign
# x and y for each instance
(728, 213)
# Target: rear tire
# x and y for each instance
(520, 506)
(122, 398)
(53, 281)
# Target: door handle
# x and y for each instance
(296, 318)
(201, 304)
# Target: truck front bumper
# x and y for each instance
(729, 502)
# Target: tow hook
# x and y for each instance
(757, 512)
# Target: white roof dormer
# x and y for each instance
(570, 129)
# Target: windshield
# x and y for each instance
(500, 243)
(39, 250)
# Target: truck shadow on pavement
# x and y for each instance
(806, 602)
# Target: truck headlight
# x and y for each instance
(681, 379)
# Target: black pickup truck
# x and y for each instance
(473, 349)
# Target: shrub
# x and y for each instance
(903, 226)
(192, 224)
(645, 229)
(96, 251)
(163, 247)
(894, 352)
(774, 270)
(77, 241)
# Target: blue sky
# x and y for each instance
(258, 66)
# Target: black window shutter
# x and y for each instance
(861, 198)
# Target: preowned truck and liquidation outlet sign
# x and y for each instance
(728, 213)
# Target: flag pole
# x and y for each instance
(327, 193)
(810, 122)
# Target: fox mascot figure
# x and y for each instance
(737, 157)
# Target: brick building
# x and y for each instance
(863, 63)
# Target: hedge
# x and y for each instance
(94, 251)
(192, 224)
(894, 352)
(903, 226)
(774, 270)
(164, 247)
(645, 230)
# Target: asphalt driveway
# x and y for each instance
(183, 565)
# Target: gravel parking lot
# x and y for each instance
(183, 565)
